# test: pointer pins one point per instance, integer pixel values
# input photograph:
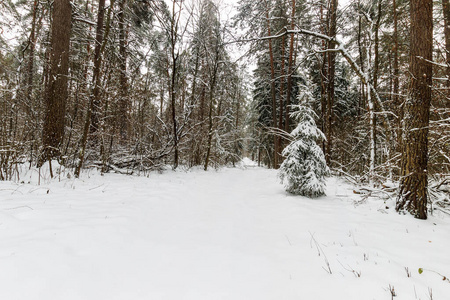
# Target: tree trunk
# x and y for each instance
(396, 99)
(29, 107)
(57, 93)
(174, 79)
(95, 96)
(31, 62)
(96, 105)
(123, 80)
(323, 78)
(414, 181)
(282, 75)
(173, 105)
(290, 64)
(362, 104)
(211, 99)
(272, 90)
(372, 126)
(446, 11)
(377, 46)
(331, 75)
(192, 102)
(371, 103)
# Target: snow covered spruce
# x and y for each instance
(304, 169)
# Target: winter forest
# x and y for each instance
(347, 103)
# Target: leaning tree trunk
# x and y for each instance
(414, 181)
(56, 94)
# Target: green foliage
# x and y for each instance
(304, 169)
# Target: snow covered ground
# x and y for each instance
(226, 234)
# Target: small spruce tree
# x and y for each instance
(304, 169)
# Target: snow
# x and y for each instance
(233, 233)
(304, 169)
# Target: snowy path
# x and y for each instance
(230, 234)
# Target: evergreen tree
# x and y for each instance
(304, 169)
(413, 194)
(57, 89)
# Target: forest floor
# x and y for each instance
(232, 233)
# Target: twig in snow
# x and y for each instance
(22, 206)
(288, 240)
(319, 250)
(351, 270)
(39, 188)
(392, 291)
(408, 272)
(444, 278)
(97, 187)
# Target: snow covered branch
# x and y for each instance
(340, 48)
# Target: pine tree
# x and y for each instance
(413, 194)
(57, 90)
(304, 169)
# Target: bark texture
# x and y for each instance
(273, 91)
(331, 79)
(290, 65)
(414, 181)
(446, 10)
(396, 99)
(123, 80)
(94, 100)
(56, 94)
